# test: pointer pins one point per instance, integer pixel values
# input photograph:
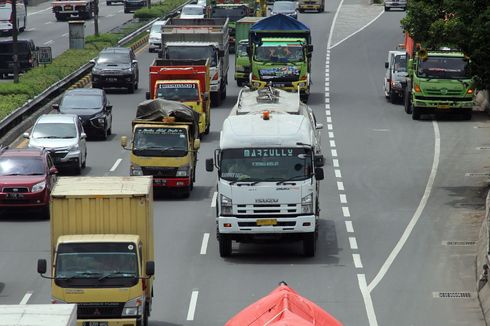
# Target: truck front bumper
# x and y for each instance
(309, 7)
(266, 225)
(443, 105)
(302, 85)
(108, 322)
(171, 182)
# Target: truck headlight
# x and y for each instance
(134, 307)
(307, 204)
(135, 170)
(183, 171)
(39, 186)
(226, 205)
(302, 84)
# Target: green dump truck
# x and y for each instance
(242, 61)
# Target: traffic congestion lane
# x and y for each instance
(388, 159)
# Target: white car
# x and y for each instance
(192, 11)
(155, 37)
(389, 4)
(63, 136)
(6, 16)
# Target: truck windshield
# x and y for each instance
(266, 164)
(279, 53)
(443, 68)
(400, 64)
(241, 50)
(192, 52)
(178, 92)
(233, 13)
(160, 142)
(96, 265)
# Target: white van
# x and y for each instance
(6, 17)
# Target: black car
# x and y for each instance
(132, 5)
(92, 107)
(116, 67)
(27, 56)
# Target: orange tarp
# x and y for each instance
(283, 307)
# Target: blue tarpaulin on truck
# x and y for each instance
(277, 24)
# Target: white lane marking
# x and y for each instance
(327, 100)
(204, 244)
(327, 88)
(337, 173)
(192, 305)
(368, 302)
(327, 112)
(330, 134)
(37, 12)
(47, 23)
(327, 106)
(64, 35)
(332, 27)
(49, 42)
(357, 260)
(334, 153)
(349, 226)
(119, 11)
(110, 15)
(360, 29)
(423, 202)
(329, 126)
(340, 185)
(213, 200)
(343, 199)
(329, 119)
(116, 164)
(26, 297)
(353, 243)
(345, 211)
(335, 163)
(381, 130)
(332, 143)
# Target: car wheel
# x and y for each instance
(131, 88)
(109, 131)
(136, 85)
(78, 169)
(387, 8)
(84, 163)
(224, 246)
(393, 97)
(104, 134)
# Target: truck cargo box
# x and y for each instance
(38, 315)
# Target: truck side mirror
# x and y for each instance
(25, 135)
(56, 107)
(147, 94)
(41, 266)
(150, 268)
(319, 174)
(124, 141)
(319, 160)
(319, 126)
(92, 61)
(309, 48)
(386, 65)
(197, 143)
(209, 165)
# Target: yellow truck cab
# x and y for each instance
(102, 253)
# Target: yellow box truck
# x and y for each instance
(102, 255)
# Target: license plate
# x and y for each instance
(95, 323)
(14, 195)
(279, 84)
(443, 106)
(68, 7)
(159, 181)
(111, 79)
(266, 222)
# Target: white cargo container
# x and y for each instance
(38, 315)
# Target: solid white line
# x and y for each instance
(353, 243)
(49, 42)
(329, 119)
(416, 215)
(64, 35)
(357, 260)
(329, 126)
(334, 153)
(368, 302)
(345, 211)
(26, 297)
(335, 163)
(213, 200)
(116, 164)
(47, 23)
(349, 227)
(340, 185)
(204, 245)
(337, 173)
(332, 27)
(37, 12)
(365, 26)
(330, 134)
(192, 305)
(343, 198)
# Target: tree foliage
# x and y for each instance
(462, 24)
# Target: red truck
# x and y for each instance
(186, 81)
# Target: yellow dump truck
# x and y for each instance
(102, 255)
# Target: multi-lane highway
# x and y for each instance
(401, 204)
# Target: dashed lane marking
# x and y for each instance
(192, 305)
(204, 244)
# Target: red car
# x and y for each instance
(26, 178)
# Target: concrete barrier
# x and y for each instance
(482, 263)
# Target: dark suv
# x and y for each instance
(27, 56)
(116, 67)
(26, 178)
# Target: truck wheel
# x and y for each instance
(309, 245)
(146, 314)
(223, 92)
(304, 97)
(408, 104)
(467, 115)
(59, 17)
(301, 11)
(206, 131)
(415, 113)
(224, 246)
(322, 9)
(393, 97)
(216, 99)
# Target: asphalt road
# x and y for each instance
(386, 176)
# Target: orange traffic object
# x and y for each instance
(283, 307)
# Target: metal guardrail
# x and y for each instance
(20, 114)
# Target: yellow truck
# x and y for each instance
(184, 80)
(102, 254)
(164, 144)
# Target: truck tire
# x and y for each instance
(224, 246)
(304, 97)
(216, 99)
(301, 11)
(146, 314)
(59, 17)
(408, 103)
(309, 245)
(223, 91)
(467, 115)
(415, 113)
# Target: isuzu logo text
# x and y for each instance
(266, 200)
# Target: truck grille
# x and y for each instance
(267, 209)
(100, 310)
(254, 224)
(444, 98)
(447, 92)
(160, 172)
(280, 79)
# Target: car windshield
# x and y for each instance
(266, 164)
(279, 53)
(233, 13)
(194, 10)
(54, 130)
(192, 52)
(162, 142)
(21, 165)
(444, 68)
(283, 6)
(178, 92)
(400, 63)
(156, 28)
(5, 11)
(114, 58)
(81, 102)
